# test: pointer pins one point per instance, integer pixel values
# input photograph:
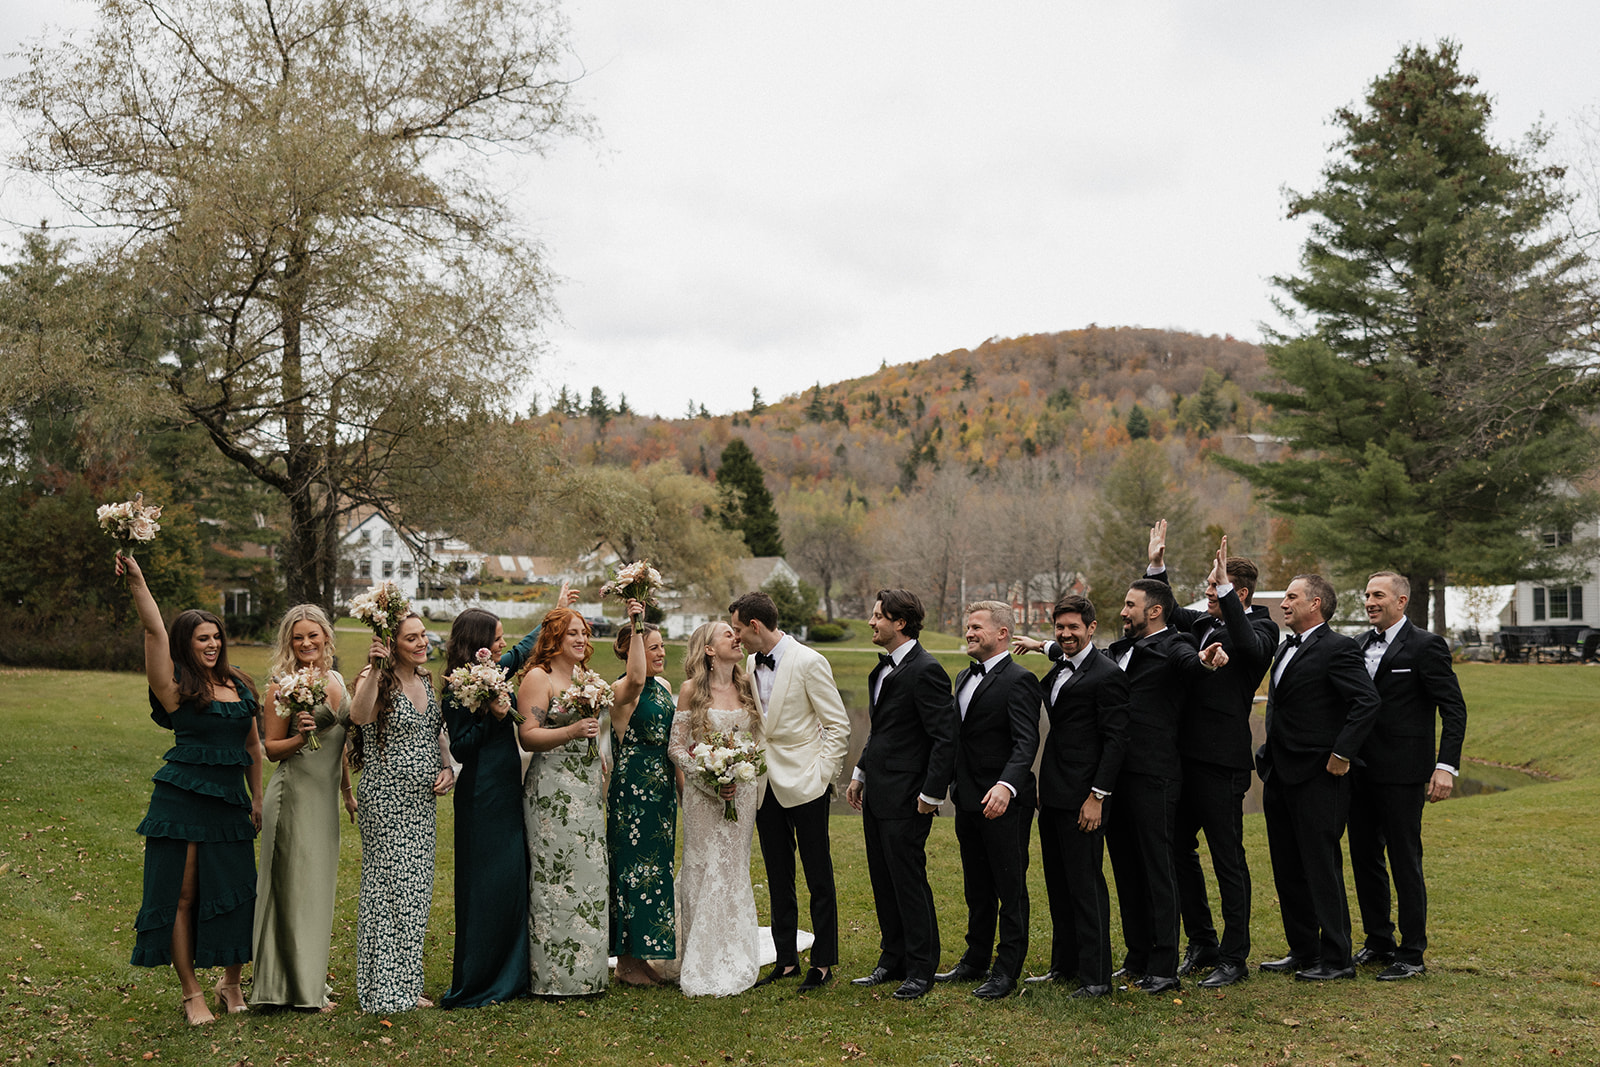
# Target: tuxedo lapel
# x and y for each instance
(1393, 648)
(780, 684)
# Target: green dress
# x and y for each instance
(641, 830)
(200, 796)
(299, 871)
(565, 808)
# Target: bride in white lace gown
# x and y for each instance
(718, 936)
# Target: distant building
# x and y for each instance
(1560, 604)
(372, 551)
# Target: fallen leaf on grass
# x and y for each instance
(1291, 1022)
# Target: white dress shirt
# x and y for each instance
(764, 677)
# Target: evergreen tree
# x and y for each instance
(746, 502)
(1138, 424)
(816, 410)
(1433, 407)
(757, 405)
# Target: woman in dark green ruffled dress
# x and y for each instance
(642, 810)
(199, 855)
(491, 953)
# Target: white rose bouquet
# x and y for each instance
(481, 685)
(727, 757)
(637, 581)
(131, 521)
(305, 690)
(382, 609)
(586, 698)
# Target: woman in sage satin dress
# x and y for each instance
(199, 855)
(299, 869)
(642, 808)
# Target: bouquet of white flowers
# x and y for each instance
(382, 609)
(305, 690)
(130, 521)
(637, 581)
(481, 685)
(587, 696)
(727, 757)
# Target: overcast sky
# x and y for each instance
(783, 193)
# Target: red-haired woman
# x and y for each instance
(565, 807)
(199, 849)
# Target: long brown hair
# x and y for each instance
(195, 681)
(388, 686)
(697, 675)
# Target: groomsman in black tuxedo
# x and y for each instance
(1214, 742)
(1320, 708)
(1087, 701)
(1161, 665)
(994, 797)
(1398, 771)
(902, 775)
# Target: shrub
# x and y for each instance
(829, 631)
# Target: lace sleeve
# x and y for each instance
(678, 747)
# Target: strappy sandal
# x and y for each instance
(197, 995)
(228, 1005)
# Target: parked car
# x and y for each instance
(601, 626)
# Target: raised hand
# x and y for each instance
(1219, 566)
(1021, 645)
(378, 650)
(567, 597)
(1157, 552)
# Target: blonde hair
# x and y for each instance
(284, 662)
(697, 676)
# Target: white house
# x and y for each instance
(372, 551)
(1563, 604)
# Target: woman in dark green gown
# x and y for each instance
(491, 953)
(199, 860)
(642, 810)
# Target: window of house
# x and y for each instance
(1563, 602)
(405, 568)
(388, 539)
(388, 568)
(1538, 603)
(1556, 538)
(364, 568)
(236, 602)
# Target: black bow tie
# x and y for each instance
(764, 659)
(1292, 642)
(975, 669)
(885, 660)
(1374, 637)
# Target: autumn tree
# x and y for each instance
(1139, 490)
(298, 191)
(747, 502)
(1433, 393)
(827, 537)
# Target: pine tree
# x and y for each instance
(757, 405)
(747, 503)
(1138, 424)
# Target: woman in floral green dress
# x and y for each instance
(564, 804)
(643, 809)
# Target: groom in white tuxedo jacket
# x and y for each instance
(808, 736)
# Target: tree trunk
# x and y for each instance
(1417, 606)
(1439, 621)
(306, 572)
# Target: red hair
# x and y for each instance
(552, 632)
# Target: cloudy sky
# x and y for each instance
(783, 193)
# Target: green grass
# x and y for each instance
(1513, 962)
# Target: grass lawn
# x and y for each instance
(1514, 960)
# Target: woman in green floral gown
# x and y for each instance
(564, 804)
(643, 809)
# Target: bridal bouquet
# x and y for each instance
(382, 609)
(587, 696)
(727, 757)
(637, 581)
(131, 521)
(304, 690)
(481, 685)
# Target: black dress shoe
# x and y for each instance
(1086, 992)
(962, 972)
(878, 976)
(998, 987)
(816, 978)
(1399, 971)
(1225, 974)
(1288, 965)
(1156, 985)
(1197, 958)
(912, 988)
(1373, 955)
(775, 975)
(1048, 976)
(1324, 973)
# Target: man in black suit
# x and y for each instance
(1320, 708)
(1214, 743)
(1399, 771)
(1161, 664)
(998, 700)
(1087, 701)
(903, 773)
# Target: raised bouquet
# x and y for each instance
(637, 581)
(587, 696)
(131, 521)
(481, 685)
(382, 609)
(726, 757)
(305, 690)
